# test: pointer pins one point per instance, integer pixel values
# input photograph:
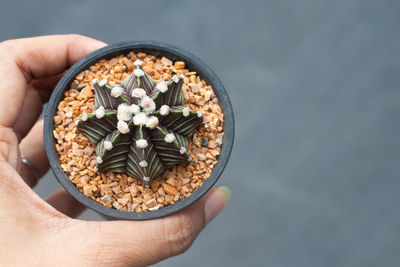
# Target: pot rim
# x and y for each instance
(158, 49)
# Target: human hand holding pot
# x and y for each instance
(43, 232)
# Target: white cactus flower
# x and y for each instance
(162, 87)
(138, 72)
(169, 138)
(84, 117)
(102, 82)
(124, 112)
(175, 79)
(135, 109)
(123, 127)
(148, 104)
(95, 81)
(152, 122)
(108, 145)
(141, 143)
(116, 91)
(100, 112)
(185, 111)
(138, 92)
(164, 110)
(138, 62)
(143, 164)
(140, 119)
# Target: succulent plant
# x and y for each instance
(139, 127)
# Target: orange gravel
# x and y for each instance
(119, 191)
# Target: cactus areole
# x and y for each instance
(139, 127)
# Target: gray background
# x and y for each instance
(315, 87)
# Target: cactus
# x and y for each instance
(139, 127)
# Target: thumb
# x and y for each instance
(147, 242)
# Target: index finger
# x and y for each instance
(22, 60)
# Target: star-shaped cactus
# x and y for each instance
(139, 127)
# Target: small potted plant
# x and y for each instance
(138, 130)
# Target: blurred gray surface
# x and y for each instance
(315, 88)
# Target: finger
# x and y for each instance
(148, 242)
(32, 148)
(46, 85)
(23, 60)
(65, 203)
(36, 95)
(29, 114)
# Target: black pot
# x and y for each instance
(158, 49)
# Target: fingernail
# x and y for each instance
(216, 202)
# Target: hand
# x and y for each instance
(41, 232)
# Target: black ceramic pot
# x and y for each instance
(158, 49)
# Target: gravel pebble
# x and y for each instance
(204, 142)
(106, 199)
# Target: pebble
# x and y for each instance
(170, 190)
(104, 188)
(207, 95)
(88, 151)
(116, 189)
(204, 142)
(154, 208)
(165, 61)
(87, 191)
(133, 189)
(212, 144)
(176, 197)
(172, 182)
(151, 203)
(106, 199)
(123, 201)
(86, 92)
(201, 157)
(194, 87)
(81, 86)
(116, 205)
